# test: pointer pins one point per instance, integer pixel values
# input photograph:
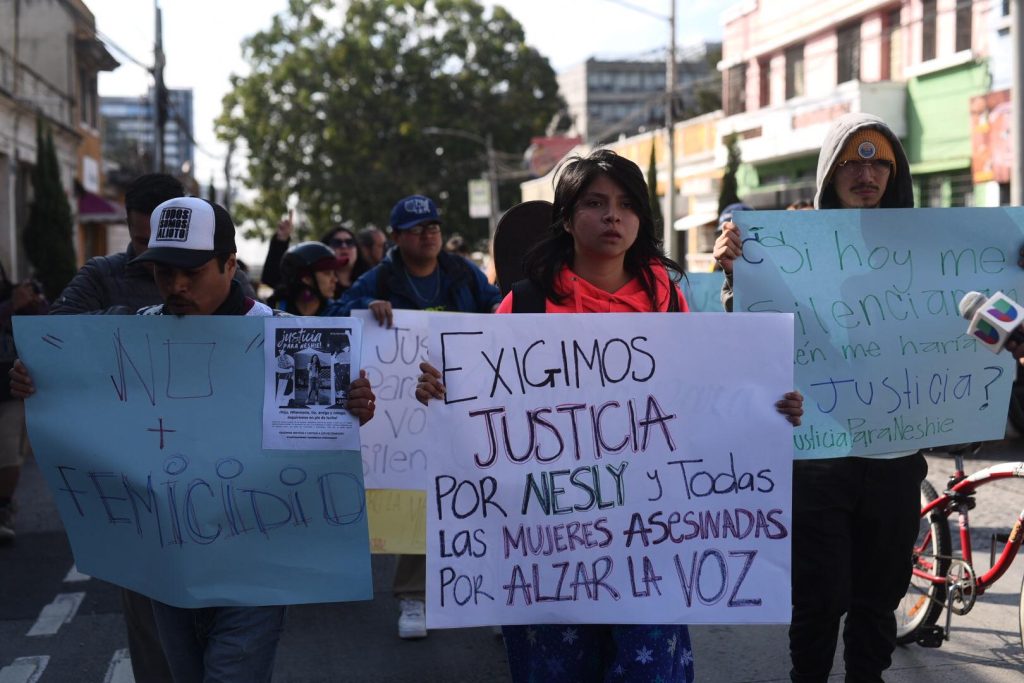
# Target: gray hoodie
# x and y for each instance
(899, 194)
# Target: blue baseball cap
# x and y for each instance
(729, 210)
(412, 211)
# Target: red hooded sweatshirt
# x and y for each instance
(583, 297)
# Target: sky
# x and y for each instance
(202, 44)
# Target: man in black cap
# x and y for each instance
(108, 281)
(112, 283)
(192, 249)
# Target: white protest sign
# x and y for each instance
(393, 441)
(618, 468)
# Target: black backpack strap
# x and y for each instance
(384, 272)
(461, 270)
(526, 298)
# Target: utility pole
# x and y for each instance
(159, 94)
(487, 142)
(670, 87)
(492, 177)
(14, 165)
(227, 174)
(1017, 103)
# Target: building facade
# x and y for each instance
(607, 99)
(937, 71)
(49, 60)
(699, 168)
(991, 116)
(129, 134)
(790, 67)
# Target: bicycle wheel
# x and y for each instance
(923, 603)
(1016, 413)
(1020, 614)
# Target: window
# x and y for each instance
(931, 191)
(928, 20)
(86, 98)
(736, 94)
(964, 21)
(946, 189)
(961, 189)
(895, 32)
(764, 83)
(848, 53)
(794, 71)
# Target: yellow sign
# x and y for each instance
(398, 521)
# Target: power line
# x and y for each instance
(187, 130)
(117, 48)
(809, 65)
(638, 8)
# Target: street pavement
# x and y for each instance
(358, 641)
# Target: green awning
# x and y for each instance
(941, 166)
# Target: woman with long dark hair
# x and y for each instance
(350, 262)
(603, 254)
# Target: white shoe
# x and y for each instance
(413, 621)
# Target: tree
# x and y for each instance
(728, 194)
(48, 242)
(335, 115)
(652, 191)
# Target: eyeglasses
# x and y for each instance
(875, 166)
(341, 244)
(424, 229)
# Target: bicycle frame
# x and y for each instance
(957, 499)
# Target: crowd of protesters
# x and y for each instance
(602, 253)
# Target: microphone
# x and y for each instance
(994, 320)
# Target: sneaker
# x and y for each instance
(413, 622)
(7, 513)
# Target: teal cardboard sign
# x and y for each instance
(881, 353)
(703, 291)
(147, 430)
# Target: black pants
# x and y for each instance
(149, 665)
(855, 521)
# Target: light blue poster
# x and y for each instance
(881, 355)
(703, 291)
(147, 430)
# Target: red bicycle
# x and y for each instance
(942, 580)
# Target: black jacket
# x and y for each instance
(106, 281)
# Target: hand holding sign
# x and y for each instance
(21, 380)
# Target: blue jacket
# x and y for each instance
(465, 287)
